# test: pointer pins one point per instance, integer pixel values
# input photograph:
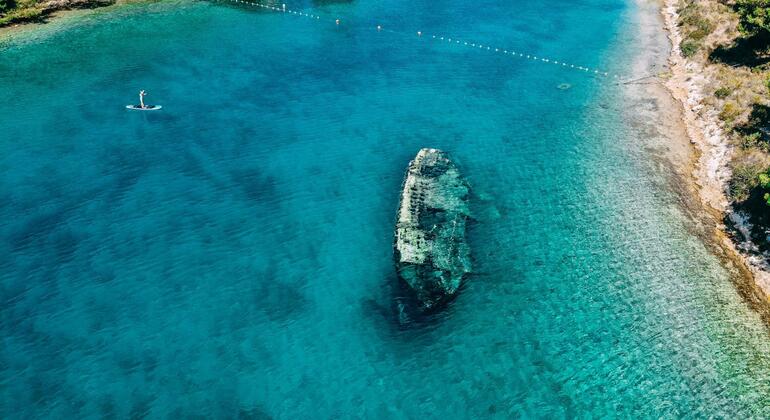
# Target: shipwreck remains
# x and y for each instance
(430, 249)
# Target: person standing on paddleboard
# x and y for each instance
(142, 106)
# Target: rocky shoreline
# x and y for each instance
(41, 11)
(688, 83)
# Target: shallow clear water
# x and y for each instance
(231, 254)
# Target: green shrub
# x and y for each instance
(696, 24)
(6, 5)
(723, 92)
(701, 31)
(759, 117)
(690, 14)
(754, 17)
(689, 47)
(745, 178)
(22, 15)
(750, 140)
(695, 28)
(764, 182)
(730, 112)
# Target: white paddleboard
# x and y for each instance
(146, 107)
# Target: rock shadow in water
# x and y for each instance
(38, 227)
(398, 309)
(279, 300)
(255, 184)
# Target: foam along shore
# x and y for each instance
(688, 84)
(431, 253)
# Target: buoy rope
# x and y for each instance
(434, 37)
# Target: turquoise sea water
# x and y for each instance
(231, 255)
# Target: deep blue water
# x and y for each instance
(230, 255)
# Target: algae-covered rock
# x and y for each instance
(431, 252)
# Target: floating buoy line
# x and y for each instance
(436, 38)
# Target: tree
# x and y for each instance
(754, 17)
(764, 182)
(6, 5)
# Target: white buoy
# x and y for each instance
(283, 6)
(379, 28)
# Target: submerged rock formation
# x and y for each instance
(431, 253)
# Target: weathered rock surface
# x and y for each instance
(431, 252)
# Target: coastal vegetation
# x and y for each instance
(698, 28)
(731, 40)
(21, 11)
(754, 17)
